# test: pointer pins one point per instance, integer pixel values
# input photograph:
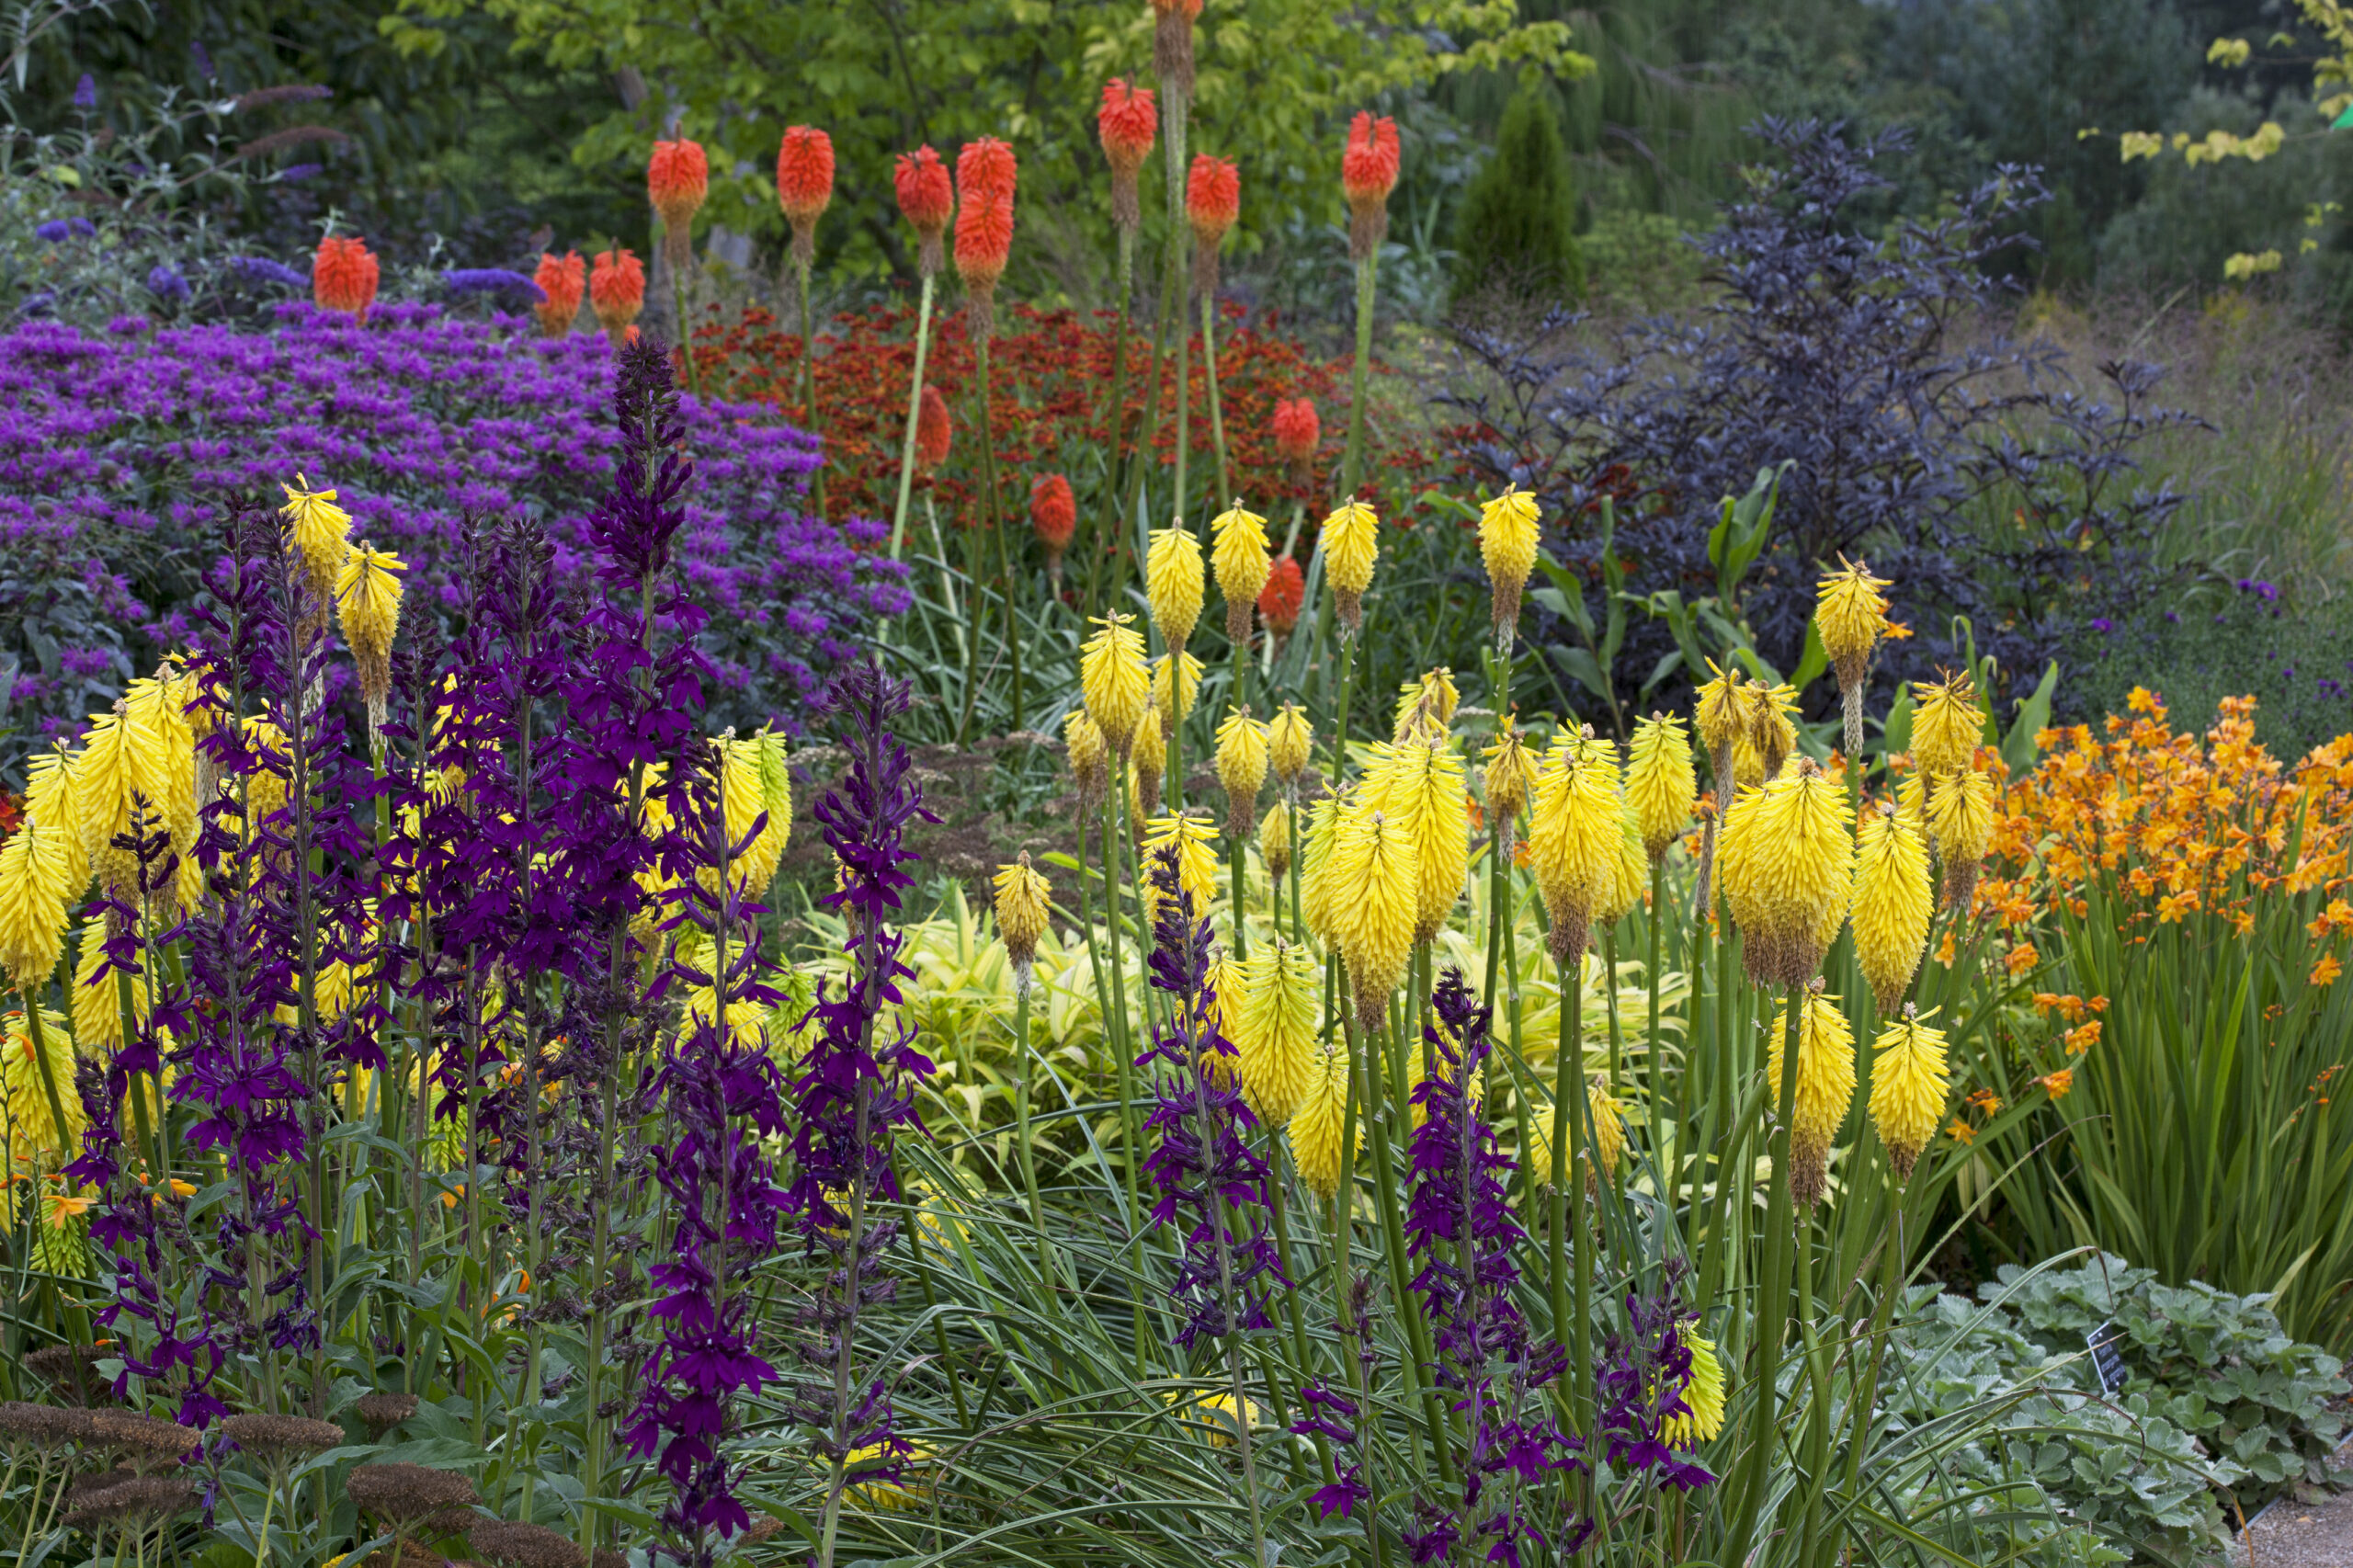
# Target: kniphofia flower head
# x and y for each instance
(1717, 718)
(1197, 860)
(1023, 902)
(927, 198)
(1702, 1416)
(1374, 889)
(1508, 532)
(1576, 840)
(1297, 431)
(1351, 545)
(1281, 598)
(935, 428)
(1960, 815)
(1661, 786)
(1850, 615)
(1946, 723)
(1368, 174)
(1786, 864)
(1175, 682)
(343, 275)
(1128, 122)
(319, 533)
(804, 185)
(1274, 840)
(1825, 1087)
(1289, 739)
(36, 883)
(1173, 582)
(1426, 705)
(1239, 557)
(32, 1121)
(1213, 201)
(1172, 44)
(1241, 770)
(1909, 1084)
(617, 291)
(1089, 758)
(564, 282)
(1116, 681)
(1891, 902)
(367, 605)
(985, 173)
(1281, 1004)
(1150, 765)
(1421, 791)
(1509, 782)
(1316, 1125)
(1053, 517)
(677, 178)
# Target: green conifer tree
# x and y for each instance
(1519, 223)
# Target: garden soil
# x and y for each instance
(2318, 1534)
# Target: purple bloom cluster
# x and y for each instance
(117, 452)
(856, 1089)
(1205, 1171)
(1639, 1385)
(1461, 1229)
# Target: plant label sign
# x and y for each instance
(2107, 1360)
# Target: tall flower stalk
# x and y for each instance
(984, 181)
(1368, 174)
(855, 1091)
(925, 201)
(804, 187)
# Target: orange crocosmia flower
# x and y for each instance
(2057, 1082)
(65, 1206)
(2021, 959)
(2173, 906)
(1520, 852)
(2083, 1038)
(1961, 1132)
(1986, 1100)
(1894, 632)
(2327, 970)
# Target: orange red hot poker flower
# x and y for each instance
(617, 291)
(1213, 201)
(804, 185)
(934, 429)
(985, 179)
(343, 277)
(677, 178)
(925, 201)
(1368, 174)
(1128, 122)
(1053, 514)
(1297, 431)
(565, 280)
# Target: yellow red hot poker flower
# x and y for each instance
(1350, 548)
(1909, 1085)
(1282, 1000)
(1507, 537)
(1960, 814)
(1788, 866)
(1576, 840)
(1891, 902)
(1825, 1087)
(1242, 564)
(1116, 681)
(1660, 784)
(1315, 1128)
(1946, 723)
(1023, 902)
(1241, 770)
(1374, 893)
(1173, 583)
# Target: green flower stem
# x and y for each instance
(1772, 1310)
(809, 383)
(915, 418)
(1217, 415)
(1665, 1131)
(1115, 419)
(1407, 1305)
(1352, 459)
(686, 338)
(997, 525)
(1117, 811)
(1021, 1125)
(1340, 716)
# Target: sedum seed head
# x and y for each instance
(514, 1544)
(406, 1494)
(1909, 1083)
(275, 1435)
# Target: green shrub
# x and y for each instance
(1519, 223)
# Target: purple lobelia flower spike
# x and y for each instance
(1644, 1375)
(855, 1090)
(1461, 1229)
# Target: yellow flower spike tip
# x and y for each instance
(1850, 615)
(1151, 763)
(1912, 797)
(1960, 815)
(1891, 902)
(1240, 559)
(1089, 758)
(50, 797)
(1419, 1113)
(97, 1012)
(1508, 783)
(318, 531)
(1173, 583)
(121, 759)
(1291, 740)
(1195, 860)
(1507, 531)
(157, 704)
(776, 792)
(1313, 1131)
(1825, 1087)
(1116, 681)
(1909, 1084)
(1609, 1122)
(34, 891)
(1425, 801)
(1375, 894)
(1227, 985)
(1173, 700)
(1717, 713)
(368, 607)
(1946, 723)
(1351, 545)
(744, 793)
(1282, 999)
(32, 1125)
(1787, 870)
(1316, 878)
(1660, 785)
(1631, 871)
(1274, 841)
(1704, 1397)
(1241, 770)
(1770, 735)
(903, 1496)
(1023, 902)
(1426, 707)
(1575, 842)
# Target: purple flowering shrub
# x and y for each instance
(122, 453)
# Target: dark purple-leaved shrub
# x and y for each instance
(1975, 471)
(123, 453)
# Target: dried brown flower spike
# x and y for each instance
(513, 1544)
(407, 1493)
(40, 1428)
(147, 1442)
(384, 1411)
(275, 1435)
(69, 1369)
